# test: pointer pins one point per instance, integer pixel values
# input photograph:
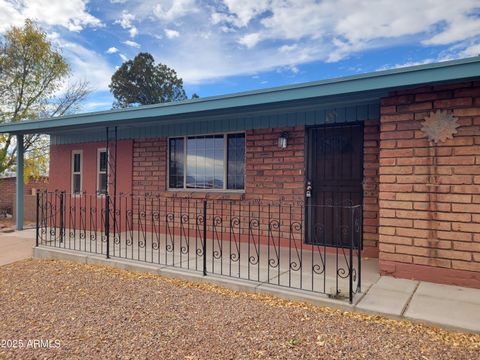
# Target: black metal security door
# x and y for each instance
(335, 173)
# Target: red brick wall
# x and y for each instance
(7, 190)
(149, 166)
(272, 174)
(275, 174)
(429, 195)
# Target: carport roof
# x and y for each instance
(344, 90)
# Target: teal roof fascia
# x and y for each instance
(380, 80)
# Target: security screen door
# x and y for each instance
(335, 170)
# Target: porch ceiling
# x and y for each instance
(352, 98)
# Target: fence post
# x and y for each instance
(107, 223)
(205, 237)
(37, 217)
(61, 217)
(350, 270)
(359, 247)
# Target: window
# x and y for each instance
(76, 172)
(214, 162)
(102, 171)
(176, 164)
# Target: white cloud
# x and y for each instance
(353, 26)
(126, 22)
(244, 11)
(132, 43)
(171, 34)
(87, 65)
(408, 63)
(258, 35)
(250, 40)
(287, 48)
(171, 10)
(471, 50)
(133, 31)
(72, 14)
(469, 27)
(9, 15)
(112, 50)
(221, 38)
(123, 57)
(94, 105)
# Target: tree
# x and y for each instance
(32, 77)
(141, 82)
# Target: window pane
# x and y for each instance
(205, 162)
(236, 161)
(76, 183)
(102, 186)
(103, 161)
(76, 162)
(176, 163)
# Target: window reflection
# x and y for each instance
(236, 161)
(176, 163)
(205, 162)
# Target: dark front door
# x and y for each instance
(335, 171)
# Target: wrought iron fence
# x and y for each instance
(315, 248)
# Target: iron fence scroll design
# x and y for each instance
(259, 241)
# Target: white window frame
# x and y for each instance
(99, 151)
(225, 166)
(77, 152)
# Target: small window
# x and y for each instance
(76, 172)
(102, 171)
(213, 162)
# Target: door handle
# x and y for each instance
(308, 189)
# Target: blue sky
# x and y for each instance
(225, 46)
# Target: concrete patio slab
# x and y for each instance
(388, 296)
(24, 234)
(15, 246)
(453, 306)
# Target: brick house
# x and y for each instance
(402, 144)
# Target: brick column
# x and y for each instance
(429, 195)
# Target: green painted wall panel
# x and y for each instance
(360, 112)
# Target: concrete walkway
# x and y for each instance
(16, 246)
(443, 305)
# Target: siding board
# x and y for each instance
(318, 116)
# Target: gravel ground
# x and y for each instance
(99, 312)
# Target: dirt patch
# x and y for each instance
(101, 312)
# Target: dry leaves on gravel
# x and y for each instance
(102, 312)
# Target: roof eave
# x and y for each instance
(405, 77)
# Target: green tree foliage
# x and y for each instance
(32, 73)
(141, 82)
